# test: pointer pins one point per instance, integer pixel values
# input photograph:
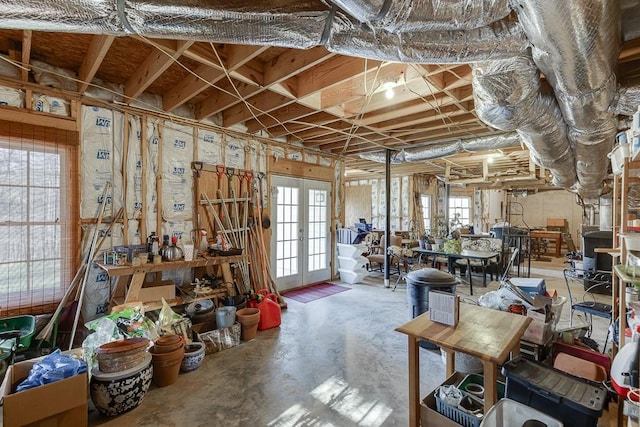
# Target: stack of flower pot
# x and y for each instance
(122, 377)
(167, 353)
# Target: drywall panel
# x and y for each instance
(552, 204)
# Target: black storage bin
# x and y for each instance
(419, 283)
(572, 401)
(596, 261)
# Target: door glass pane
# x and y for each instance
(317, 207)
(287, 235)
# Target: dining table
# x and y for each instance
(483, 256)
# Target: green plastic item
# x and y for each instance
(27, 326)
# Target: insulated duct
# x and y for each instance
(627, 101)
(572, 45)
(280, 23)
(507, 96)
(445, 149)
(498, 40)
(420, 15)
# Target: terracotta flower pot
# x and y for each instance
(168, 343)
(121, 355)
(166, 366)
(248, 318)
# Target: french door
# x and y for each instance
(300, 241)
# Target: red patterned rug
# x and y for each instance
(314, 292)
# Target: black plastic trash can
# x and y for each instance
(419, 283)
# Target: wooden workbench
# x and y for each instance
(487, 334)
(133, 275)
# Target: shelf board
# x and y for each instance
(156, 305)
(626, 273)
(127, 270)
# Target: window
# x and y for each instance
(425, 199)
(459, 207)
(35, 223)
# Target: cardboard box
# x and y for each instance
(62, 403)
(429, 415)
(155, 291)
(538, 332)
(557, 222)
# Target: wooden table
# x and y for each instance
(483, 256)
(487, 334)
(554, 235)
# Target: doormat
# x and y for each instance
(314, 292)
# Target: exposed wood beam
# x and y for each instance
(282, 115)
(304, 124)
(153, 67)
(98, 49)
(26, 53)
(283, 67)
(259, 104)
(190, 86)
(333, 72)
(209, 75)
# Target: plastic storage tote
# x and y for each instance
(572, 401)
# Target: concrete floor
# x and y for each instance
(336, 361)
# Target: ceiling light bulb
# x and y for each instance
(490, 159)
(389, 93)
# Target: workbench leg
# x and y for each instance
(450, 357)
(469, 273)
(134, 288)
(490, 380)
(414, 382)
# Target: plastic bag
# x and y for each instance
(54, 367)
(450, 395)
(170, 322)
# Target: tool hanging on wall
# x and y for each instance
(233, 235)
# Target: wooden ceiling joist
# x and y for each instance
(98, 49)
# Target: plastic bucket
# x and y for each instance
(225, 316)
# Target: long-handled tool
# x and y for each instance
(92, 252)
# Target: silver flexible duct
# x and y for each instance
(627, 100)
(421, 15)
(280, 23)
(576, 57)
(507, 96)
(277, 23)
(499, 40)
(444, 149)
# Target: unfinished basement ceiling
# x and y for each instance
(298, 82)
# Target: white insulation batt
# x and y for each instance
(234, 152)
(101, 151)
(177, 179)
(210, 147)
(11, 97)
(97, 292)
(51, 104)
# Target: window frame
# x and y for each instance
(455, 207)
(36, 297)
(426, 212)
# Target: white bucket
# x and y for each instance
(617, 157)
(631, 241)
